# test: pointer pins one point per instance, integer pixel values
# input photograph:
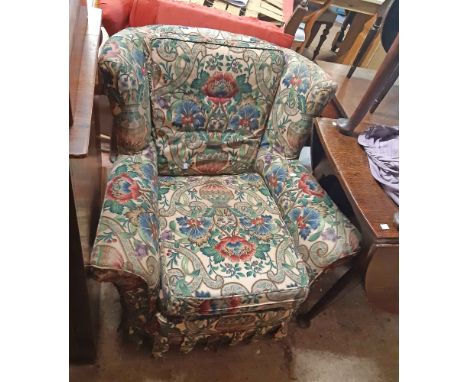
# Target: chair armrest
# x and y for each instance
(126, 245)
(123, 75)
(302, 94)
(323, 235)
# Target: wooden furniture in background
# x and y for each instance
(310, 19)
(327, 19)
(82, 345)
(85, 175)
(378, 85)
(380, 20)
(278, 11)
(342, 167)
(362, 16)
(341, 33)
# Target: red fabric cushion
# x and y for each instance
(115, 14)
(169, 12)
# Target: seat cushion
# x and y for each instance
(225, 247)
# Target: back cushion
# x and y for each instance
(211, 95)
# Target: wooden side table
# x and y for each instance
(373, 209)
(341, 165)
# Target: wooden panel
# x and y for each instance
(82, 81)
(374, 55)
(381, 280)
(276, 3)
(82, 339)
(264, 8)
(219, 4)
(85, 158)
(233, 10)
(354, 38)
(267, 6)
(86, 180)
(351, 165)
(75, 22)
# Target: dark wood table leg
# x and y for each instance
(350, 277)
(313, 33)
(340, 35)
(390, 81)
(323, 37)
(390, 62)
(365, 45)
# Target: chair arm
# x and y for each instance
(122, 73)
(323, 235)
(126, 246)
(302, 94)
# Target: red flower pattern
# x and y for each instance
(235, 248)
(220, 88)
(123, 189)
(309, 186)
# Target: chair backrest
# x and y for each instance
(208, 98)
(211, 93)
(211, 97)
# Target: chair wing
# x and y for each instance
(122, 70)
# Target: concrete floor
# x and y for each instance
(350, 341)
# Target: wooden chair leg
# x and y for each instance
(390, 81)
(340, 35)
(303, 319)
(313, 33)
(323, 37)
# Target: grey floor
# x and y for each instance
(350, 341)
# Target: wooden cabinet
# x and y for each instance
(85, 176)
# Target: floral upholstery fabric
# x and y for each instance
(122, 69)
(127, 234)
(303, 92)
(210, 101)
(209, 225)
(322, 234)
(225, 248)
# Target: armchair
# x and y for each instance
(210, 227)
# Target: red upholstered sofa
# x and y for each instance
(120, 14)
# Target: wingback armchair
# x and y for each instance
(210, 227)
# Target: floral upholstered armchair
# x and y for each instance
(210, 227)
